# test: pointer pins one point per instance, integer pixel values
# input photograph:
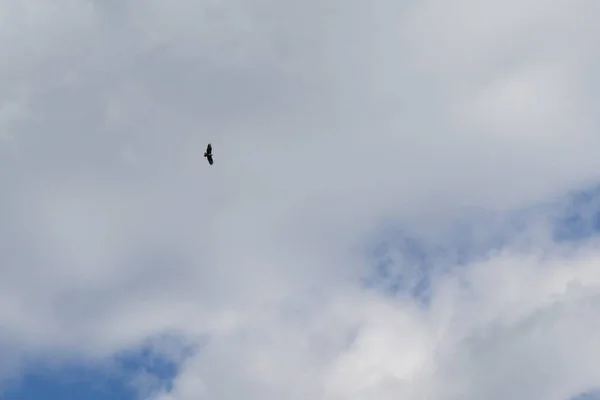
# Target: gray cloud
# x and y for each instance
(328, 119)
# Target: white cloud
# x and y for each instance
(328, 119)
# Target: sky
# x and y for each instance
(404, 202)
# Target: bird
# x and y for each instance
(208, 154)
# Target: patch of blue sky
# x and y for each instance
(405, 264)
(71, 382)
(581, 218)
(130, 375)
(590, 395)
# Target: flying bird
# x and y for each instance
(208, 154)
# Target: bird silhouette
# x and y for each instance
(208, 154)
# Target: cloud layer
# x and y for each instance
(330, 121)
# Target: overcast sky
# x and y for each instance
(379, 219)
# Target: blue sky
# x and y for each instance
(111, 379)
(76, 381)
(405, 263)
(590, 395)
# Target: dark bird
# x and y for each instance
(208, 154)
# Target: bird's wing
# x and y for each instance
(209, 148)
(210, 159)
